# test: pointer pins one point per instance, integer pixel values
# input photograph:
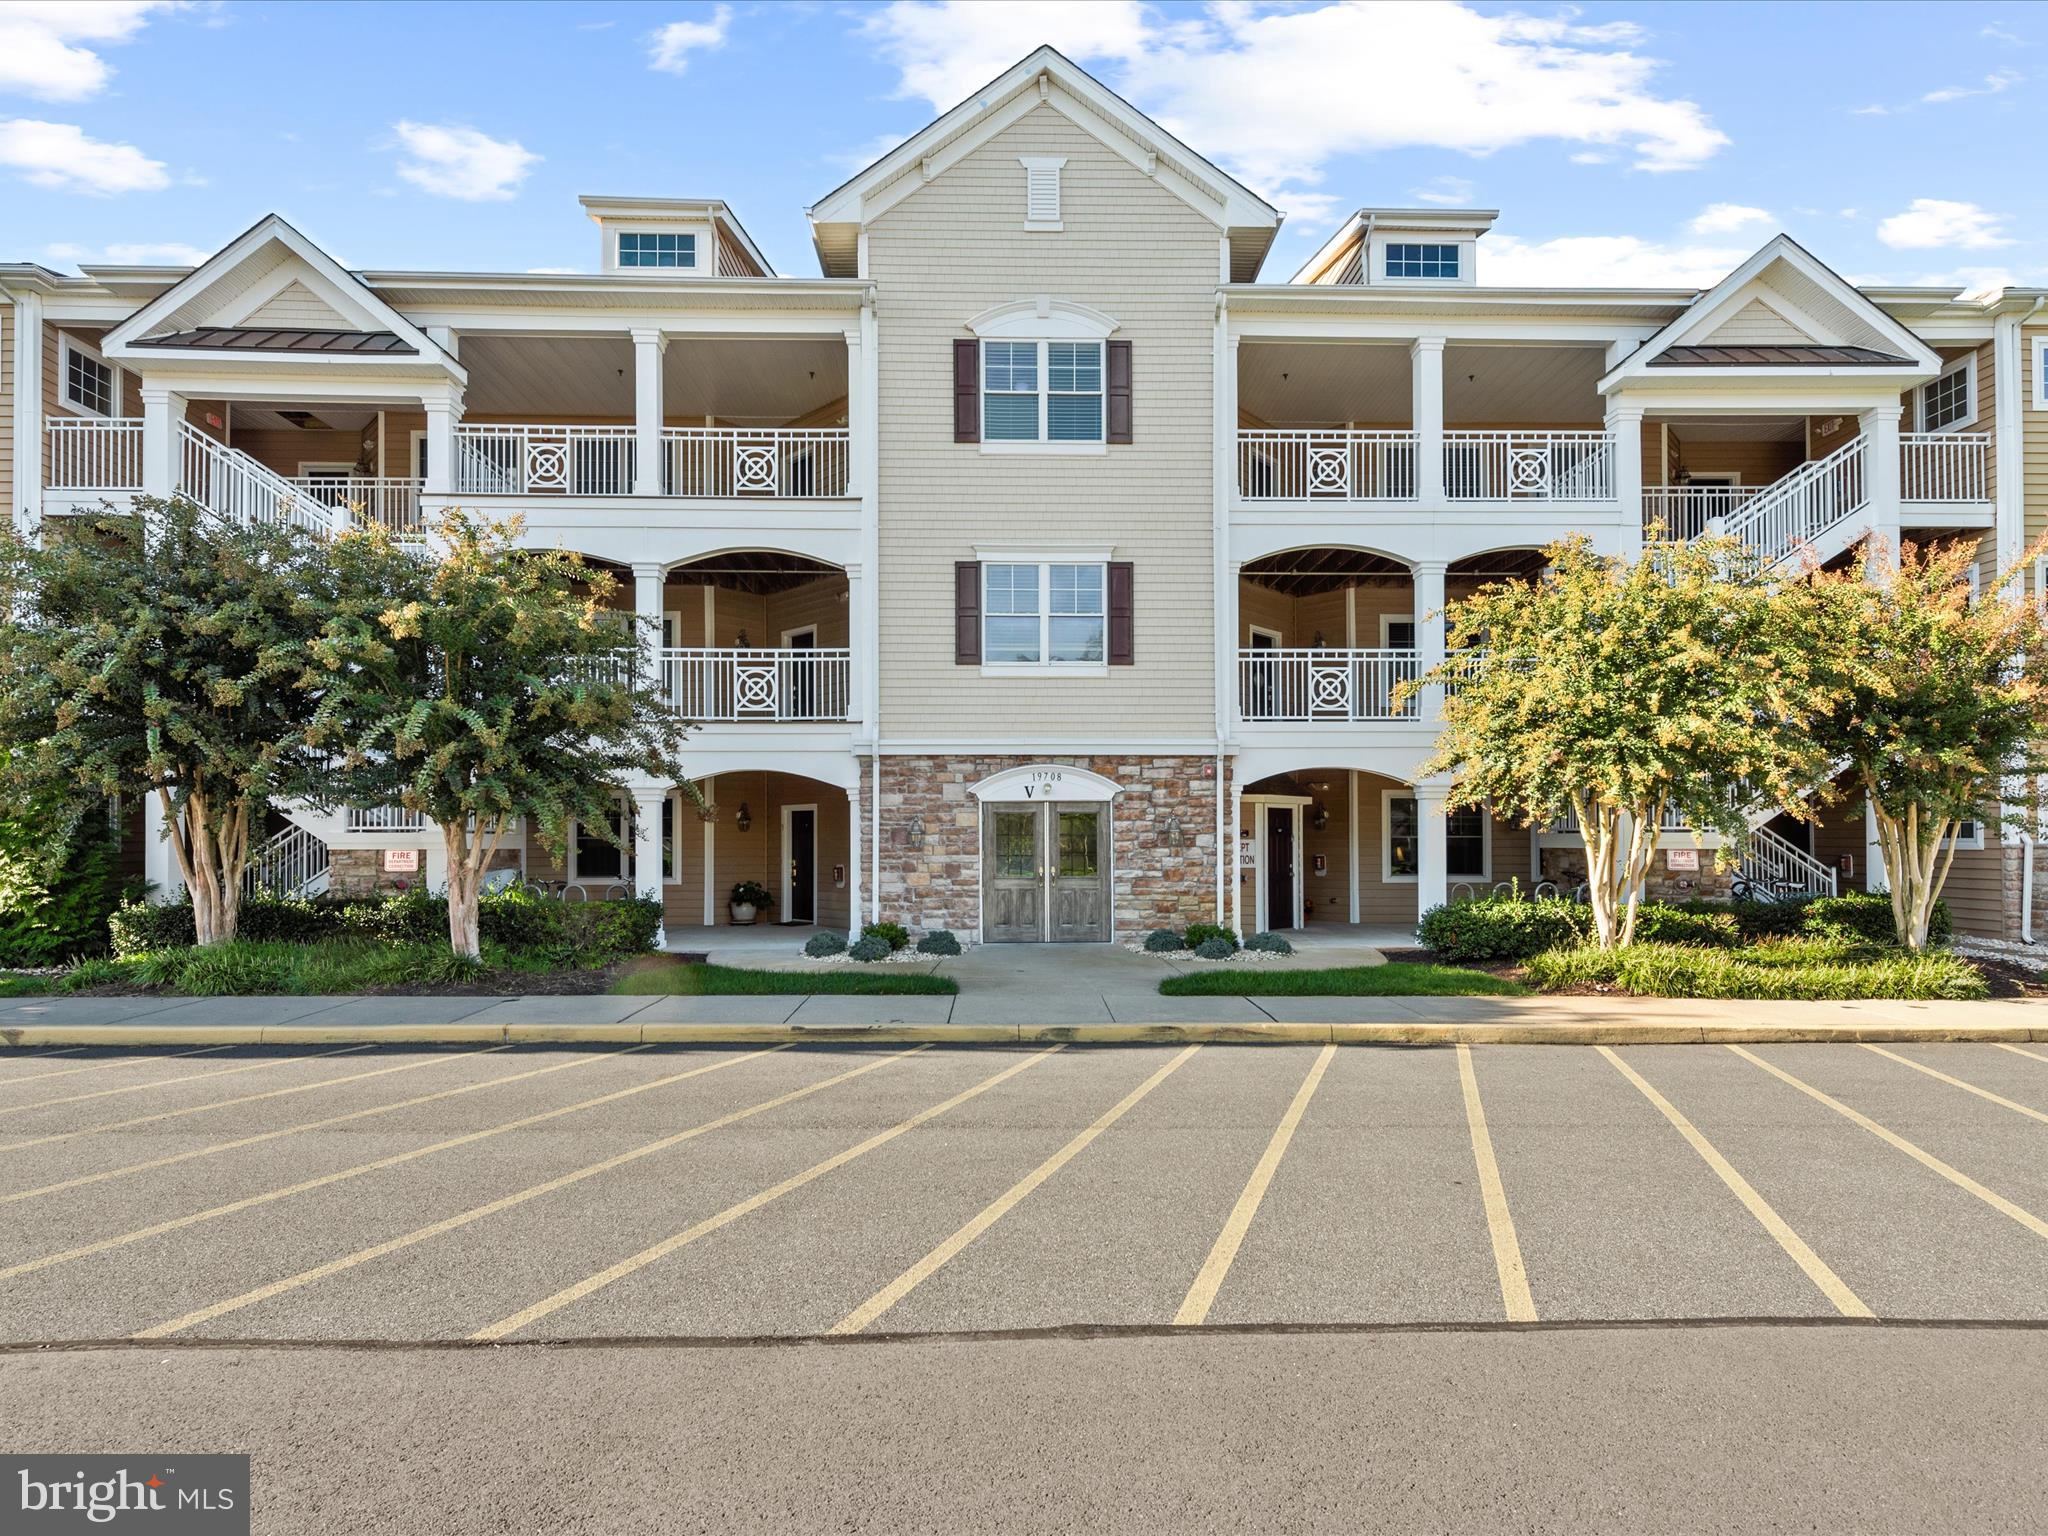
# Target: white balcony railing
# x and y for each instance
(1324, 685)
(1945, 466)
(391, 502)
(1683, 512)
(748, 462)
(385, 818)
(734, 685)
(1528, 466)
(721, 462)
(1326, 465)
(82, 453)
(238, 488)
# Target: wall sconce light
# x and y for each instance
(745, 819)
(1319, 816)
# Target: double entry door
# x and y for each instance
(1045, 873)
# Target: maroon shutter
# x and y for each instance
(1119, 391)
(966, 613)
(1122, 652)
(966, 391)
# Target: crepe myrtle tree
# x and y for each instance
(1624, 690)
(481, 684)
(164, 651)
(1935, 699)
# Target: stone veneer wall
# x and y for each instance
(1163, 834)
(1567, 866)
(360, 872)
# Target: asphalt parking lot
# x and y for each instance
(528, 1194)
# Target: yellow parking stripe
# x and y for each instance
(1830, 1284)
(619, 1271)
(165, 1082)
(507, 1202)
(1202, 1294)
(110, 1066)
(1507, 1249)
(864, 1314)
(40, 1053)
(1957, 1082)
(247, 1098)
(2020, 1051)
(1961, 1180)
(233, 1207)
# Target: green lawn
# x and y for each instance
(1395, 979)
(682, 979)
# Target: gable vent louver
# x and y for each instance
(1042, 190)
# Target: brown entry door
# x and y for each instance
(1013, 879)
(1279, 867)
(1080, 873)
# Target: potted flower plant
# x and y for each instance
(749, 899)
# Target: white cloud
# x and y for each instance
(1444, 191)
(1974, 281)
(1278, 92)
(670, 47)
(1727, 218)
(44, 48)
(1998, 34)
(1996, 81)
(1595, 261)
(1930, 223)
(170, 253)
(450, 160)
(62, 157)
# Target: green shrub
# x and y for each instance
(516, 918)
(1800, 968)
(1504, 927)
(60, 882)
(1868, 916)
(96, 972)
(1270, 943)
(235, 970)
(869, 948)
(1162, 941)
(602, 931)
(161, 967)
(895, 935)
(819, 945)
(1199, 934)
(1215, 947)
(939, 941)
(449, 968)
(1693, 923)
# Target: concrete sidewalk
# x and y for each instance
(1021, 1006)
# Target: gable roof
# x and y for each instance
(1782, 308)
(1049, 76)
(268, 262)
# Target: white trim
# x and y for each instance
(1967, 363)
(624, 848)
(1046, 663)
(413, 439)
(1081, 450)
(789, 635)
(1974, 843)
(1043, 341)
(1295, 804)
(786, 855)
(327, 467)
(1040, 783)
(1389, 620)
(696, 229)
(1387, 875)
(1035, 168)
(2039, 373)
(68, 344)
(1043, 318)
(1254, 631)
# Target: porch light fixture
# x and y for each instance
(745, 819)
(1319, 816)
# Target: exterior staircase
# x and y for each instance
(1815, 510)
(1780, 871)
(292, 864)
(237, 487)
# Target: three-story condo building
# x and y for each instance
(1044, 568)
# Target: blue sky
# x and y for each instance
(1626, 143)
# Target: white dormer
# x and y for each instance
(1402, 248)
(672, 237)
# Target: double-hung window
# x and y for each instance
(1408, 259)
(1043, 615)
(1041, 392)
(1465, 841)
(1949, 402)
(88, 381)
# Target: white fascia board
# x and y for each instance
(639, 287)
(1475, 330)
(1796, 392)
(191, 378)
(540, 322)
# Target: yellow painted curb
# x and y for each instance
(597, 1034)
(778, 1034)
(132, 1034)
(1175, 1034)
(382, 1034)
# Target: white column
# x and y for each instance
(859, 594)
(854, 920)
(1230, 854)
(163, 414)
(1875, 876)
(159, 862)
(1880, 427)
(1432, 854)
(28, 411)
(860, 416)
(648, 579)
(1233, 642)
(1351, 774)
(647, 881)
(1426, 379)
(443, 413)
(1625, 426)
(1429, 631)
(648, 346)
(710, 863)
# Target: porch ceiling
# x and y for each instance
(1307, 572)
(1523, 386)
(757, 571)
(1736, 429)
(742, 381)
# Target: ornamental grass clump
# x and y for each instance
(1800, 968)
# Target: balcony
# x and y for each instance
(391, 502)
(1326, 465)
(1515, 467)
(1336, 686)
(1945, 467)
(733, 686)
(1342, 467)
(83, 454)
(386, 818)
(715, 463)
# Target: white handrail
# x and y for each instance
(1797, 510)
(293, 863)
(1777, 868)
(84, 453)
(1944, 466)
(385, 818)
(1685, 512)
(1528, 466)
(726, 462)
(1326, 465)
(386, 501)
(1324, 685)
(718, 684)
(240, 489)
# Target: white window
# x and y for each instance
(1042, 191)
(2041, 373)
(657, 250)
(1968, 837)
(1041, 392)
(88, 381)
(1949, 403)
(1043, 615)
(1407, 259)
(1468, 840)
(593, 857)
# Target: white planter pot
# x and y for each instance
(742, 914)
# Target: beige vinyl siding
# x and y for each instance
(1756, 323)
(295, 305)
(1134, 250)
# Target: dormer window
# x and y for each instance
(639, 249)
(1042, 191)
(1409, 259)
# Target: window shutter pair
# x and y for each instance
(967, 614)
(967, 391)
